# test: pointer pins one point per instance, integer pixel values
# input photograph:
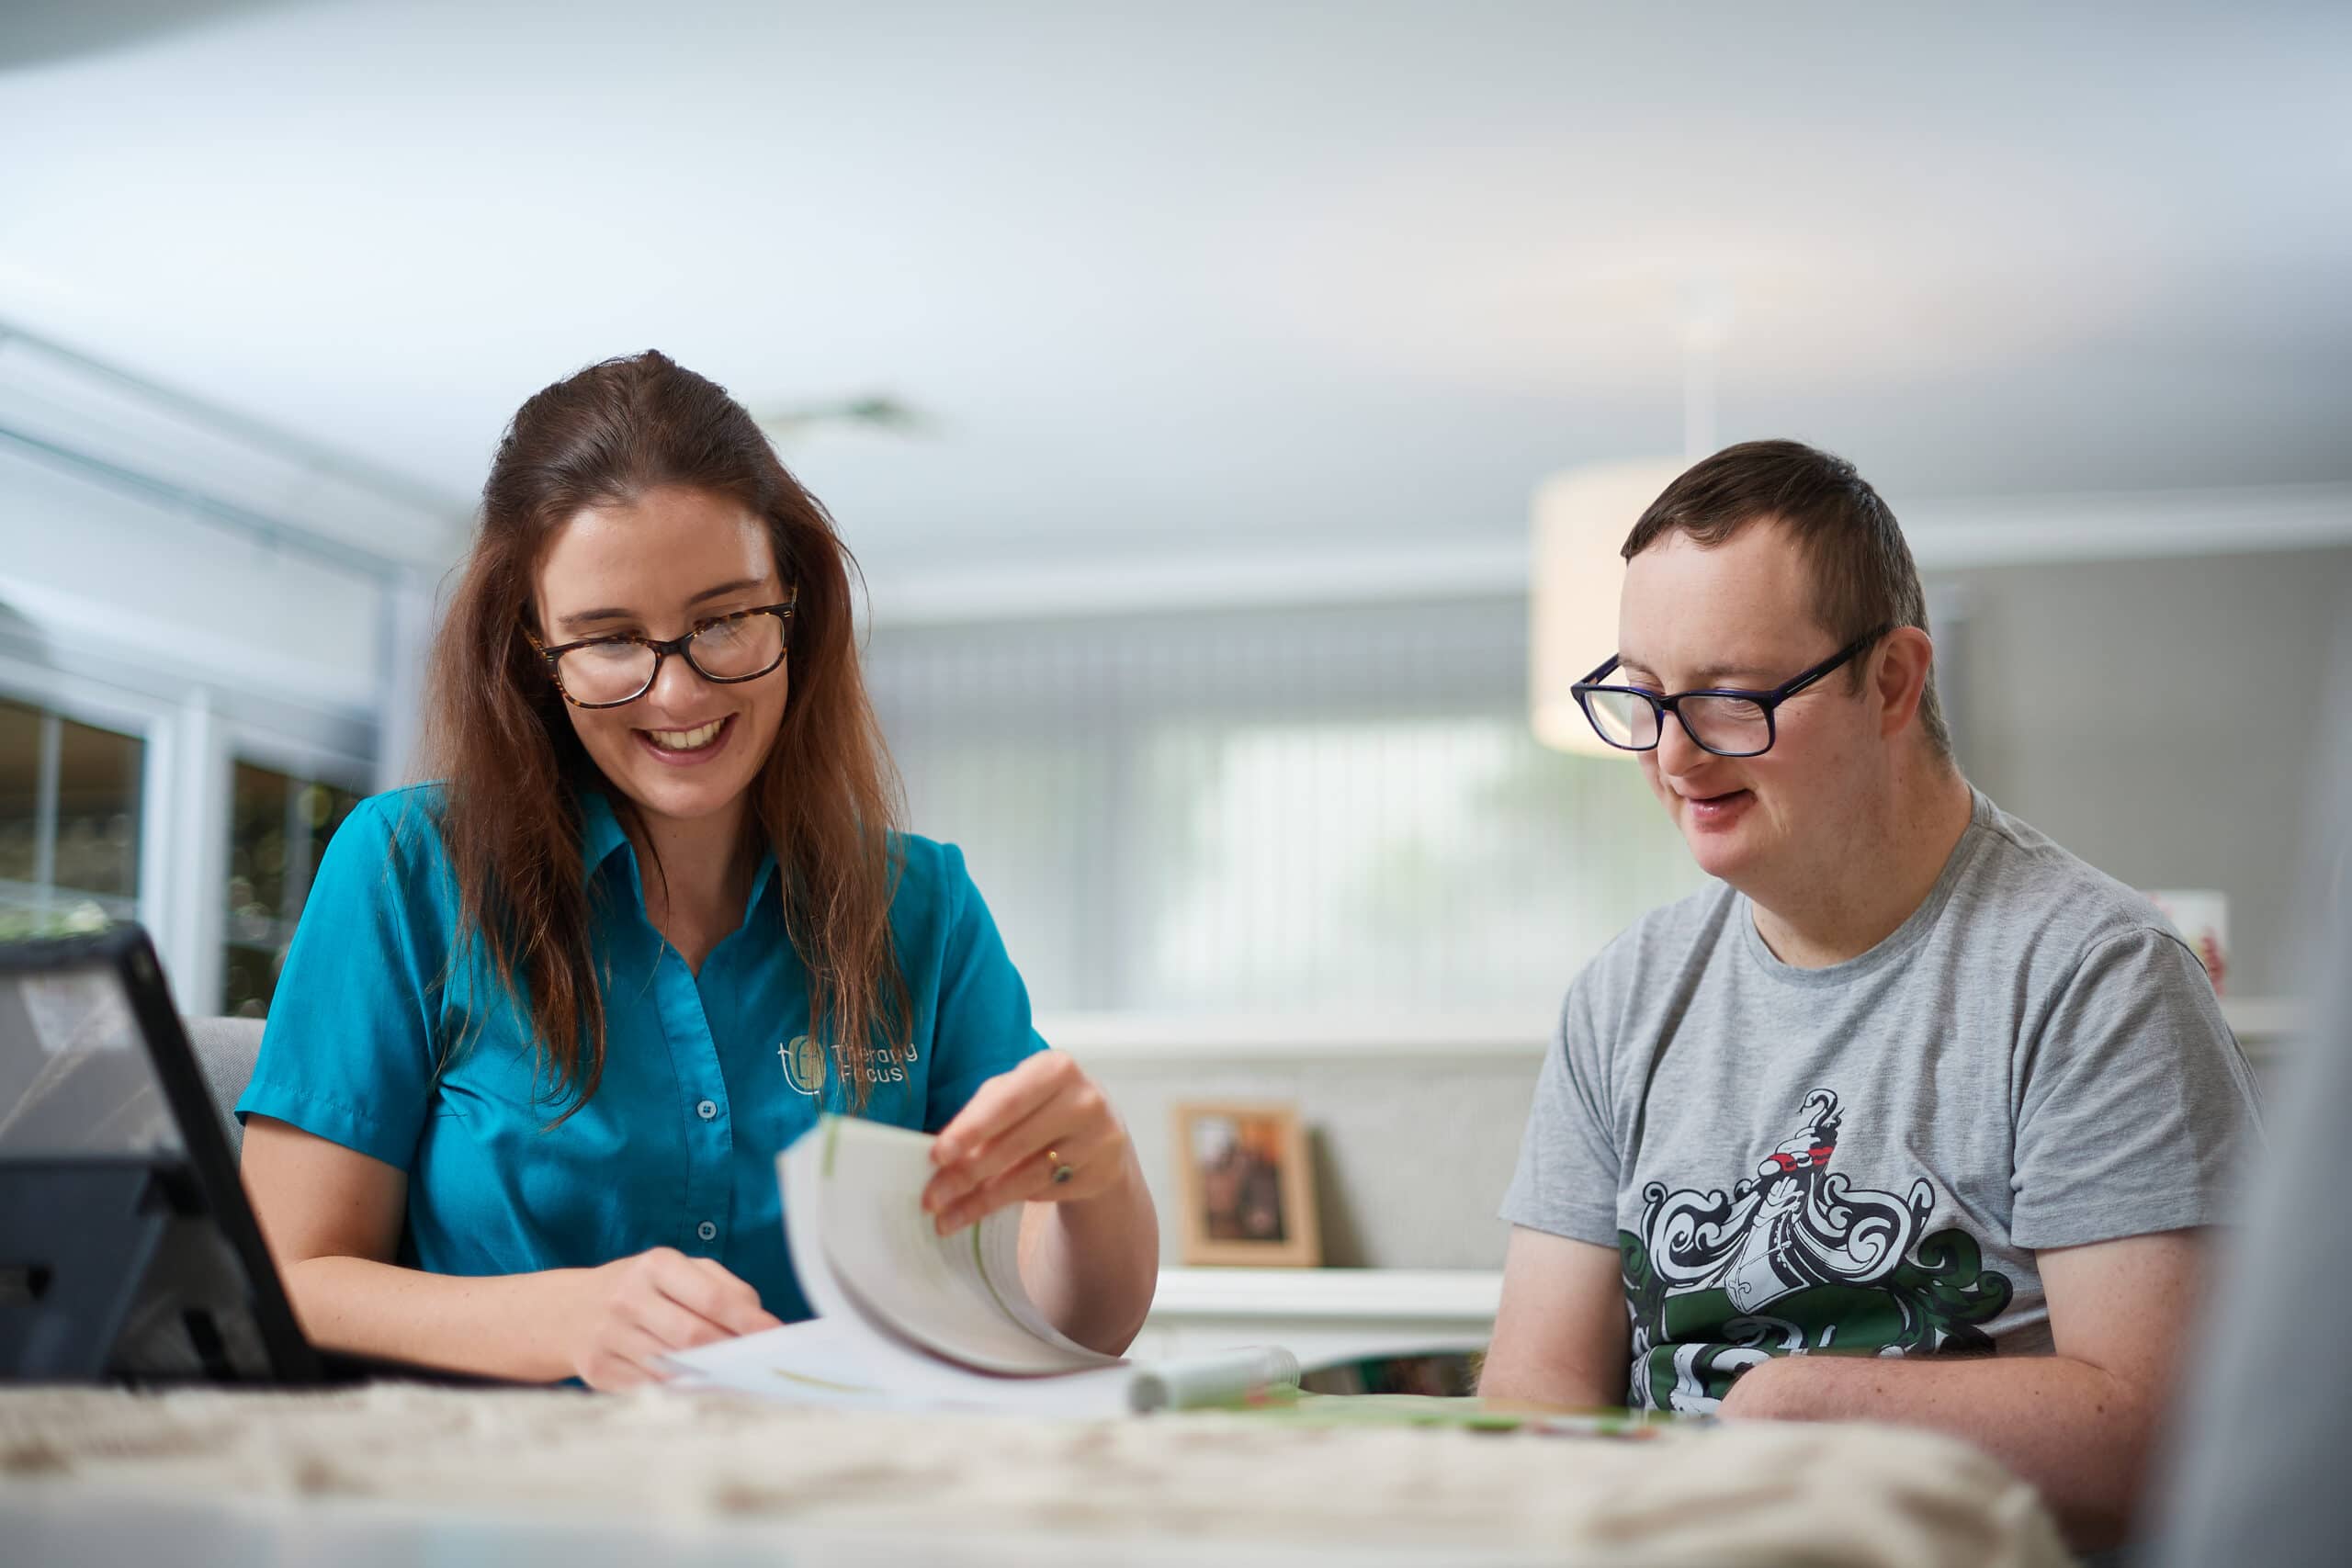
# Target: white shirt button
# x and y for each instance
(705, 1230)
(707, 1110)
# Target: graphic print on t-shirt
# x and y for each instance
(1794, 1259)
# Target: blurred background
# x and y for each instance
(1185, 377)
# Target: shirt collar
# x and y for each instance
(758, 883)
(600, 832)
(600, 837)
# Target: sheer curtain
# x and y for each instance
(1334, 808)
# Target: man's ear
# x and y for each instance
(1900, 678)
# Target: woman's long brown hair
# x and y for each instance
(827, 801)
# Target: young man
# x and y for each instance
(1912, 1116)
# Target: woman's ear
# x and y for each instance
(1905, 656)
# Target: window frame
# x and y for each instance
(77, 699)
(190, 742)
(301, 761)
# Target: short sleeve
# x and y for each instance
(1567, 1180)
(347, 1053)
(2135, 1111)
(983, 1026)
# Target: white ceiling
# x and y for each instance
(1176, 276)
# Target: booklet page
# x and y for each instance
(959, 1295)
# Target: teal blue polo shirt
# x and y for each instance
(375, 1043)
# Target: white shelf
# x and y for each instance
(1321, 1316)
(1354, 1295)
(1302, 1037)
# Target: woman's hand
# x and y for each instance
(1041, 1134)
(630, 1312)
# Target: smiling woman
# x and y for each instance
(685, 741)
(545, 1024)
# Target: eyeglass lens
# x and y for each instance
(724, 650)
(1733, 726)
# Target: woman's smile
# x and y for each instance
(686, 748)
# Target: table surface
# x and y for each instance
(400, 1474)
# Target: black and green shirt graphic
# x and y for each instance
(1794, 1260)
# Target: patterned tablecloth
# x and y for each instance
(1224, 1487)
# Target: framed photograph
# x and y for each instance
(1245, 1186)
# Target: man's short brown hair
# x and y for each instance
(1863, 577)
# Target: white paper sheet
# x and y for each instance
(840, 1364)
(908, 1319)
(831, 1362)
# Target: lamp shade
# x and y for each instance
(1581, 518)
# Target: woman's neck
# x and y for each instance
(696, 897)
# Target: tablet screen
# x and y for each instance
(75, 1078)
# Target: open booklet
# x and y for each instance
(909, 1319)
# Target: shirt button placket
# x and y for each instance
(706, 1232)
(695, 1056)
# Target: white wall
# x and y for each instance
(97, 569)
(2159, 718)
(220, 591)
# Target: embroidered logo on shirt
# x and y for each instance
(804, 1065)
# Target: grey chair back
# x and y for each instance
(226, 1049)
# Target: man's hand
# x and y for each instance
(1755, 1395)
(2078, 1424)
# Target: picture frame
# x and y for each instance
(1246, 1191)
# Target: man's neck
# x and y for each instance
(1883, 872)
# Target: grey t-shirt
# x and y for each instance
(1867, 1157)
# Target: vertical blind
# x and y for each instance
(1278, 809)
